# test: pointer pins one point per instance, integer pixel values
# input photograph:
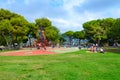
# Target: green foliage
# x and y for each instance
(32, 29)
(44, 22)
(98, 30)
(5, 26)
(5, 14)
(107, 25)
(79, 35)
(19, 26)
(69, 33)
(15, 28)
(93, 29)
(61, 39)
(5, 29)
(52, 33)
(115, 30)
(12, 26)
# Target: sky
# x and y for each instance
(65, 14)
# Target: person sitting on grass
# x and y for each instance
(101, 50)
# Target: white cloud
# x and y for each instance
(27, 2)
(69, 4)
(73, 20)
(90, 15)
(9, 2)
(65, 25)
(60, 21)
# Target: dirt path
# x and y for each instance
(34, 51)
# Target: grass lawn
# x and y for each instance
(79, 65)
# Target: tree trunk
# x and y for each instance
(7, 43)
(70, 41)
(12, 40)
(98, 42)
(79, 41)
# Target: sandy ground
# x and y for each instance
(34, 51)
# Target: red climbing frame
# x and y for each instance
(42, 41)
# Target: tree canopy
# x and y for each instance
(51, 32)
(70, 35)
(12, 25)
(79, 35)
(115, 30)
(102, 30)
(14, 28)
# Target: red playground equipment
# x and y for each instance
(41, 41)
